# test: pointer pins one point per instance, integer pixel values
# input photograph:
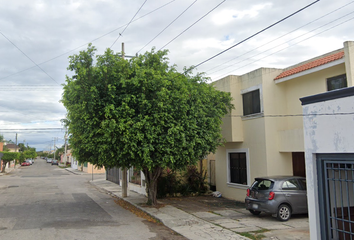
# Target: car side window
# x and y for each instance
(291, 184)
(303, 183)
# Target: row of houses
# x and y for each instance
(295, 121)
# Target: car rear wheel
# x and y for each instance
(284, 213)
(254, 212)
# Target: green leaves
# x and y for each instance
(140, 112)
(9, 156)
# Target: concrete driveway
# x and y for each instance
(233, 216)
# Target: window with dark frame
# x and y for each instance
(251, 102)
(337, 82)
(238, 168)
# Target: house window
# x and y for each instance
(337, 82)
(251, 102)
(238, 168)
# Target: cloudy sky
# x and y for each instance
(37, 37)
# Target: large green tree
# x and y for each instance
(141, 112)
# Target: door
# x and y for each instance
(299, 168)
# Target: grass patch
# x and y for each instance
(255, 235)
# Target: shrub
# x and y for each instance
(168, 184)
(173, 183)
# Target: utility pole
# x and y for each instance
(16, 144)
(54, 148)
(15, 150)
(65, 137)
(124, 174)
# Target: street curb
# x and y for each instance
(76, 173)
(131, 203)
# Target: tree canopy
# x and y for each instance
(9, 156)
(141, 112)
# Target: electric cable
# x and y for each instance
(120, 34)
(27, 57)
(193, 24)
(285, 42)
(290, 45)
(168, 26)
(89, 42)
(257, 33)
(288, 33)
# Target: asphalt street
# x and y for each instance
(46, 202)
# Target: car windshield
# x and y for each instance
(262, 184)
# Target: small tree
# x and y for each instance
(141, 113)
(8, 157)
(30, 153)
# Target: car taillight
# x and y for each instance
(248, 192)
(271, 196)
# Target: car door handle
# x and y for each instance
(287, 195)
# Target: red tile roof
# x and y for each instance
(313, 64)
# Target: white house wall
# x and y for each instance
(328, 128)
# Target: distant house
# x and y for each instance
(264, 133)
(12, 147)
(84, 167)
(329, 149)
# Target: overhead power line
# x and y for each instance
(286, 34)
(325, 30)
(297, 115)
(193, 24)
(164, 5)
(120, 34)
(257, 33)
(28, 57)
(168, 25)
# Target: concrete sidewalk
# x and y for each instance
(196, 220)
(189, 226)
(9, 170)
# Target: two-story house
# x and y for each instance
(264, 133)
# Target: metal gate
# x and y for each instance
(112, 175)
(336, 195)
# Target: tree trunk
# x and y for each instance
(151, 182)
(3, 166)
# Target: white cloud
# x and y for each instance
(227, 15)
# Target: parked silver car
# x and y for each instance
(30, 161)
(281, 196)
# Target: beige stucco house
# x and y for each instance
(264, 133)
(13, 147)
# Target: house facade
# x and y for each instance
(329, 150)
(12, 147)
(264, 133)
